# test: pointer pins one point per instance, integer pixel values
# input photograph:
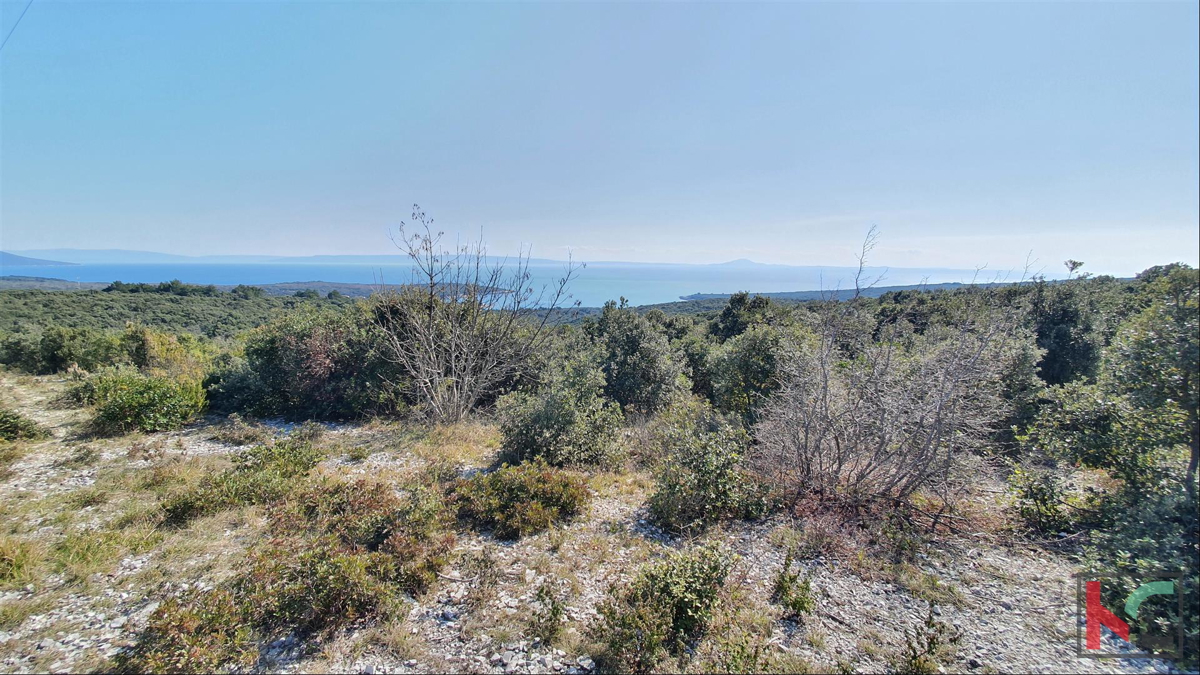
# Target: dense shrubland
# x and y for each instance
(860, 397)
(220, 316)
(863, 404)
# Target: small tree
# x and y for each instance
(745, 370)
(641, 370)
(467, 323)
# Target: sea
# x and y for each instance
(592, 286)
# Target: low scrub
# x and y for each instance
(203, 631)
(126, 400)
(238, 431)
(312, 585)
(260, 475)
(342, 553)
(926, 646)
(792, 591)
(412, 529)
(668, 605)
(345, 552)
(701, 479)
(524, 499)
(16, 427)
(566, 422)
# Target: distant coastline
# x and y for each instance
(642, 284)
(12, 259)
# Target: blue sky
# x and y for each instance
(969, 133)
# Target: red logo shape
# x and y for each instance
(1099, 615)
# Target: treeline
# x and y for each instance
(173, 287)
(243, 291)
(223, 315)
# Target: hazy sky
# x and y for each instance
(969, 133)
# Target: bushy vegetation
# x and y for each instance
(259, 475)
(236, 430)
(701, 478)
(666, 606)
(57, 347)
(860, 404)
(566, 421)
(516, 501)
(746, 370)
(926, 646)
(312, 585)
(16, 427)
(201, 631)
(1137, 420)
(408, 534)
(313, 364)
(126, 401)
(792, 590)
(641, 371)
(221, 316)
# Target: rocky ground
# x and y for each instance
(1012, 601)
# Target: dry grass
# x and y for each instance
(468, 444)
(20, 560)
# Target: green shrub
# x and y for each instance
(1104, 429)
(203, 631)
(745, 371)
(791, 591)
(1155, 534)
(641, 371)
(667, 605)
(701, 479)
(58, 348)
(634, 636)
(522, 499)
(313, 585)
(260, 475)
(1039, 499)
(740, 313)
(316, 364)
(233, 387)
(127, 401)
(15, 427)
(308, 432)
(413, 528)
(925, 646)
(20, 350)
(85, 347)
(567, 421)
(545, 621)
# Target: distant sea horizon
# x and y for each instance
(640, 283)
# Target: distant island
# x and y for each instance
(7, 258)
(17, 282)
(873, 292)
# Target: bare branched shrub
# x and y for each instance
(863, 417)
(467, 323)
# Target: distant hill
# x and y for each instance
(14, 282)
(7, 258)
(117, 256)
(875, 292)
